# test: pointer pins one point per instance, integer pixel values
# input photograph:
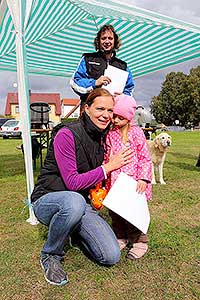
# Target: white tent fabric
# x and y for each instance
(57, 32)
(49, 37)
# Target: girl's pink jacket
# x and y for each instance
(141, 166)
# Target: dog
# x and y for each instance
(158, 148)
(35, 150)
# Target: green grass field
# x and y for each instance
(170, 270)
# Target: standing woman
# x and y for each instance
(73, 166)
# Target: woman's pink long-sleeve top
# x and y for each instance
(141, 165)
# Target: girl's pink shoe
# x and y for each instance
(137, 251)
(122, 243)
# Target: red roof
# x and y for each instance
(70, 102)
(53, 98)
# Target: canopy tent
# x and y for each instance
(57, 32)
(49, 37)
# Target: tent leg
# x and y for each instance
(32, 218)
(18, 13)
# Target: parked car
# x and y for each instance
(10, 128)
(3, 120)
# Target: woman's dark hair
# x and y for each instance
(97, 93)
(107, 27)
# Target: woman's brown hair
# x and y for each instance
(99, 92)
(106, 27)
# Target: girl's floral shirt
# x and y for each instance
(141, 165)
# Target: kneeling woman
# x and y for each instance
(73, 166)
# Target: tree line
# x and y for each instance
(179, 99)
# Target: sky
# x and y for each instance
(145, 87)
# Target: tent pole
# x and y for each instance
(17, 10)
(24, 104)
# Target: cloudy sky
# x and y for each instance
(146, 86)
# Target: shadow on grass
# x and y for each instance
(184, 155)
(184, 166)
(12, 165)
(43, 231)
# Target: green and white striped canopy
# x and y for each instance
(57, 32)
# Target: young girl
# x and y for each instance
(125, 134)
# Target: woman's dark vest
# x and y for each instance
(96, 63)
(89, 155)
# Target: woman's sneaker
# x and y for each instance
(53, 271)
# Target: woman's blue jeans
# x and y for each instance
(65, 212)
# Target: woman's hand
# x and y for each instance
(119, 160)
(102, 80)
(141, 186)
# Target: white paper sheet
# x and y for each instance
(126, 202)
(118, 79)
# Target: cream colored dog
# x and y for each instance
(158, 148)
